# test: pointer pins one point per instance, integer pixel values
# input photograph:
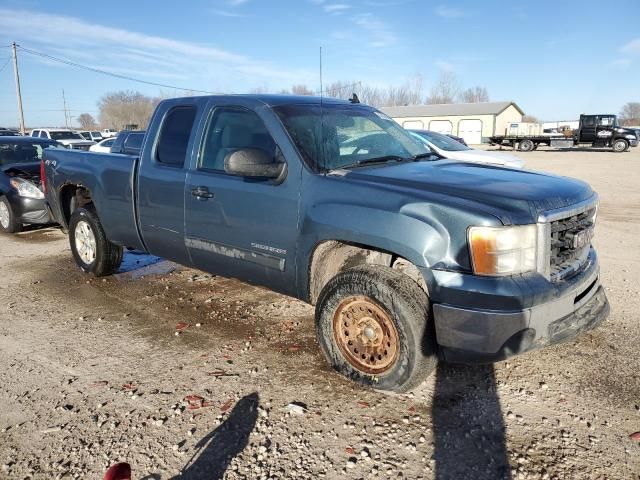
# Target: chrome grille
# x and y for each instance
(567, 256)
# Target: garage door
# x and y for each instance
(471, 131)
(413, 124)
(440, 126)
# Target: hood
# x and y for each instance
(628, 131)
(482, 156)
(514, 196)
(23, 170)
(77, 142)
(493, 158)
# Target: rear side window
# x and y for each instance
(174, 136)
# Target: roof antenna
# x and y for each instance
(322, 139)
(354, 98)
(321, 76)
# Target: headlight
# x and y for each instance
(499, 251)
(26, 189)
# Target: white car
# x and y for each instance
(108, 133)
(68, 138)
(104, 146)
(454, 150)
(92, 135)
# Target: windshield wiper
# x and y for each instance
(419, 156)
(371, 161)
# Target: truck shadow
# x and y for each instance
(468, 427)
(216, 450)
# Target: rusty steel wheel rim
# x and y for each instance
(366, 335)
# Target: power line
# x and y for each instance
(111, 74)
(55, 110)
(5, 64)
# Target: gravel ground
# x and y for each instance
(185, 375)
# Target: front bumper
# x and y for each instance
(633, 143)
(483, 335)
(29, 211)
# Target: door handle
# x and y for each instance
(202, 193)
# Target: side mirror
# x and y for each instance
(252, 162)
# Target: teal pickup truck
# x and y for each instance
(409, 258)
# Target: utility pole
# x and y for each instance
(18, 94)
(66, 117)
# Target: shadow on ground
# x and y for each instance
(215, 451)
(468, 427)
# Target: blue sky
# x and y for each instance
(555, 59)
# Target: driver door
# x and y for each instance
(241, 227)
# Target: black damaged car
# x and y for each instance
(21, 198)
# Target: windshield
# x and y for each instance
(338, 136)
(23, 152)
(65, 136)
(442, 141)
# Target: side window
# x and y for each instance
(134, 141)
(174, 136)
(589, 121)
(231, 129)
(605, 121)
(44, 134)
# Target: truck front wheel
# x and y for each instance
(620, 145)
(89, 245)
(374, 326)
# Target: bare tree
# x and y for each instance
(409, 93)
(445, 90)
(530, 119)
(126, 107)
(86, 121)
(301, 90)
(260, 90)
(475, 94)
(630, 114)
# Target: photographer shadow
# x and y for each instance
(217, 449)
(468, 427)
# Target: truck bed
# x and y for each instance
(109, 177)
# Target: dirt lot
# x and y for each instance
(95, 371)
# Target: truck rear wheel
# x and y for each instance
(620, 145)
(374, 326)
(526, 145)
(89, 245)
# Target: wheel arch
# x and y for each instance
(331, 257)
(70, 197)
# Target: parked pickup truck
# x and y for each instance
(407, 257)
(596, 131)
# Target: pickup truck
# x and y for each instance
(407, 257)
(596, 131)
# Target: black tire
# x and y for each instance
(406, 305)
(107, 256)
(526, 145)
(620, 145)
(11, 223)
